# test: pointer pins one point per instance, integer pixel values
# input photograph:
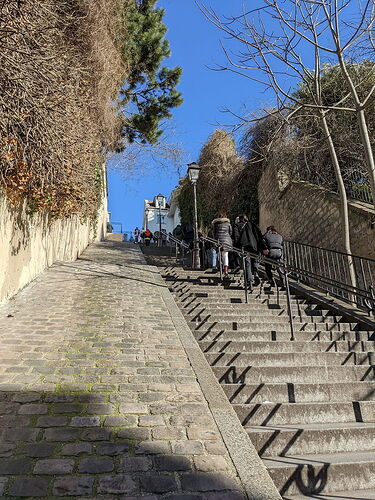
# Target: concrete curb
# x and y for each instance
(250, 468)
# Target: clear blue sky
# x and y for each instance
(194, 42)
(195, 45)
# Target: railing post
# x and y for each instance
(220, 263)
(245, 276)
(289, 304)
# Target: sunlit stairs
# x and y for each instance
(309, 404)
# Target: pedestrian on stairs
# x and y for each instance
(222, 231)
(274, 250)
(248, 236)
(147, 235)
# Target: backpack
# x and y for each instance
(147, 233)
(248, 239)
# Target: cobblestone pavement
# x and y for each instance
(98, 398)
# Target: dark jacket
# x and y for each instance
(248, 236)
(274, 243)
(222, 231)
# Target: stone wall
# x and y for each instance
(307, 213)
(29, 244)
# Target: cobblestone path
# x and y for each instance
(98, 398)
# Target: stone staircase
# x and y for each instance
(309, 404)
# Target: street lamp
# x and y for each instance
(193, 173)
(160, 199)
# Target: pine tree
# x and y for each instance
(150, 90)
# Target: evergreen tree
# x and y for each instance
(150, 90)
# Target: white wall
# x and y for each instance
(29, 244)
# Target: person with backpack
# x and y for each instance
(248, 236)
(274, 250)
(147, 235)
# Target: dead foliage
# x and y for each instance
(61, 68)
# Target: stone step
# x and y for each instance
(300, 392)
(314, 473)
(271, 323)
(256, 307)
(239, 300)
(271, 413)
(215, 290)
(295, 346)
(258, 315)
(280, 335)
(313, 438)
(292, 374)
(336, 495)
(240, 359)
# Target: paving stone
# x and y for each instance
(23, 435)
(39, 450)
(61, 434)
(29, 487)
(15, 466)
(133, 408)
(85, 421)
(76, 449)
(73, 486)
(158, 483)
(49, 421)
(152, 447)
(100, 409)
(6, 449)
(151, 420)
(173, 463)
(135, 464)
(112, 448)
(54, 466)
(215, 447)
(95, 465)
(174, 433)
(33, 409)
(67, 408)
(211, 463)
(201, 481)
(59, 398)
(187, 447)
(95, 434)
(120, 420)
(135, 433)
(121, 483)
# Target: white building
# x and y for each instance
(158, 214)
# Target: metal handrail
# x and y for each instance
(329, 270)
(261, 258)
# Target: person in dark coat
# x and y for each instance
(274, 250)
(248, 236)
(222, 231)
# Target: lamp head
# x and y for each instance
(193, 172)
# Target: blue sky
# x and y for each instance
(195, 45)
(194, 42)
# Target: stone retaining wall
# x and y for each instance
(29, 244)
(308, 213)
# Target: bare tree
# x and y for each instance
(278, 41)
(274, 42)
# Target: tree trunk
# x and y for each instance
(344, 212)
(363, 128)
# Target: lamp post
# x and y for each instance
(193, 173)
(160, 199)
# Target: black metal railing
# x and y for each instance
(346, 276)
